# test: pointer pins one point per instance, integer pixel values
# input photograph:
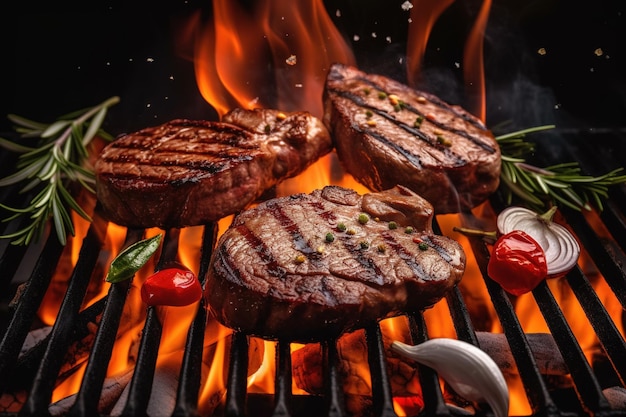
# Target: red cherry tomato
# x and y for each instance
(517, 263)
(171, 287)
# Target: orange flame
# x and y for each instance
(276, 54)
(424, 15)
(262, 380)
(300, 43)
(473, 58)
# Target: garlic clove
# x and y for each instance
(470, 371)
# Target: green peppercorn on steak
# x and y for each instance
(386, 133)
(312, 266)
(192, 172)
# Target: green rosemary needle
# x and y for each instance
(562, 184)
(49, 168)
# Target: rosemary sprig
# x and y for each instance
(49, 168)
(557, 184)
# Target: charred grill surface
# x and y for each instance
(592, 387)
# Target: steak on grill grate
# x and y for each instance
(311, 266)
(386, 133)
(191, 172)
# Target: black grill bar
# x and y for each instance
(11, 255)
(613, 218)
(334, 390)
(282, 380)
(381, 388)
(141, 383)
(9, 262)
(607, 258)
(29, 363)
(461, 317)
(190, 373)
(236, 400)
(537, 392)
(582, 374)
(26, 309)
(88, 396)
(606, 330)
(434, 404)
(43, 386)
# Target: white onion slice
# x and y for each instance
(560, 246)
(469, 370)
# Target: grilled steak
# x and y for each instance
(386, 133)
(187, 172)
(311, 266)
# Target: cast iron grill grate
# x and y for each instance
(35, 371)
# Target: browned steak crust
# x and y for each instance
(288, 269)
(386, 133)
(192, 172)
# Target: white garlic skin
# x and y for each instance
(469, 370)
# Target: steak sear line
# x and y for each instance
(306, 267)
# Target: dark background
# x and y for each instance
(58, 58)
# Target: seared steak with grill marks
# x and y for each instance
(386, 133)
(187, 172)
(311, 266)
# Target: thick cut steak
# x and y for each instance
(386, 133)
(192, 172)
(312, 266)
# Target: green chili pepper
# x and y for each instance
(131, 259)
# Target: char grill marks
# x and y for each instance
(186, 144)
(310, 245)
(192, 172)
(437, 142)
(310, 266)
(389, 108)
(387, 133)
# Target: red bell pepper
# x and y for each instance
(171, 286)
(517, 262)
